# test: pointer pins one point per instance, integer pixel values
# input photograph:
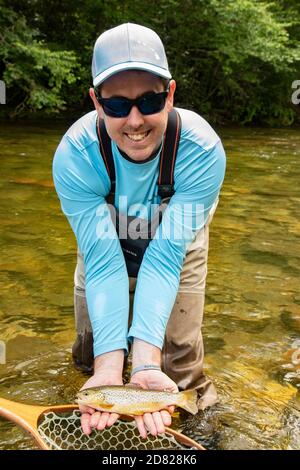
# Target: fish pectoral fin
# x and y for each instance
(106, 406)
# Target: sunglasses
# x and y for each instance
(120, 107)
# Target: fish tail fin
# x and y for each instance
(188, 401)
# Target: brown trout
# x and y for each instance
(135, 401)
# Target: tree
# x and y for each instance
(34, 74)
(233, 60)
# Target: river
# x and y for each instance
(252, 313)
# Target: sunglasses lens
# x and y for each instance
(117, 107)
(152, 104)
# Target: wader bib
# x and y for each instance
(134, 242)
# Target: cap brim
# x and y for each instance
(131, 66)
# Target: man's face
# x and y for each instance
(137, 135)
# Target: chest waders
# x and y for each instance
(136, 233)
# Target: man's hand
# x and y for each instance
(108, 371)
(154, 422)
(91, 418)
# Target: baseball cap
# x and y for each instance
(126, 47)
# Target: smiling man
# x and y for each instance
(137, 135)
(152, 162)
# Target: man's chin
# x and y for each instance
(138, 154)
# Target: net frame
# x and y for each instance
(30, 418)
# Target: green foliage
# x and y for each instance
(33, 73)
(233, 61)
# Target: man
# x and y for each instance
(133, 96)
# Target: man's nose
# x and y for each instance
(135, 118)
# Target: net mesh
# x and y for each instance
(64, 432)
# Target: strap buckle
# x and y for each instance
(165, 190)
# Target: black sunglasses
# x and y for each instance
(120, 107)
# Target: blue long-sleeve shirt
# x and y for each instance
(82, 183)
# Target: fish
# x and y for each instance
(135, 401)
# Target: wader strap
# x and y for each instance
(168, 156)
(106, 152)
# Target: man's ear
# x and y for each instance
(97, 105)
(170, 98)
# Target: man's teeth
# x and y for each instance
(138, 137)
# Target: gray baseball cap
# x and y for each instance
(126, 47)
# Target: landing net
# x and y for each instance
(64, 432)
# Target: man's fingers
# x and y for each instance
(141, 426)
(158, 421)
(150, 424)
(106, 419)
(95, 419)
(166, 418)
(85, 423)
(112, 419)
(102, 421)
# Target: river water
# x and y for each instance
(252, 314)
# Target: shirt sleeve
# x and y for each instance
(197, 186)
(81, 191)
